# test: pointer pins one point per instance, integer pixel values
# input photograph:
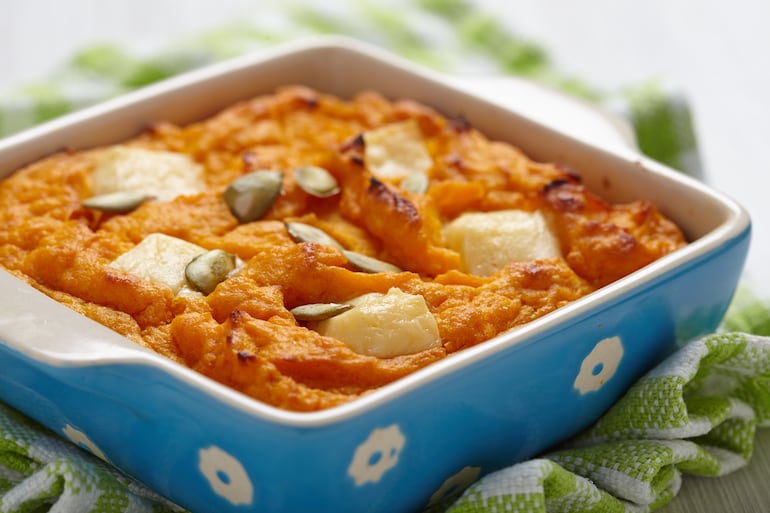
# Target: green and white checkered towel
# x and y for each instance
(40, 471)
(694, 414)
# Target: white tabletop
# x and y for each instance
(715, 53)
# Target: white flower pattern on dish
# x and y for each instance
(226, 476)
(376, 455)
(455, 485)
(81, 439)
(600, 365)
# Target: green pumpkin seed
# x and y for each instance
(251, 195)
(120, 202)
(319, 311)
(302, 232)
(209, 269)
(316, 181)
(416, 183)
(369, 264)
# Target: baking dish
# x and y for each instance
(416, 442)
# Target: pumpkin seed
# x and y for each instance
(319, 311)
(302, 232)
(209, 269)
(251, 195)
(416, 183)
(369, 264)
(119, 202)
(316, 181)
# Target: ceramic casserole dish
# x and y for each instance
(412, 443)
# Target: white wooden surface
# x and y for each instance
(715, 52)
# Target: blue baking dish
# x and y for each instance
(410, 445)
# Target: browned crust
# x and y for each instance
(243, 334)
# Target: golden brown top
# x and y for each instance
(243, 333)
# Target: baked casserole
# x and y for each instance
(305, 249)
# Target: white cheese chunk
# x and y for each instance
(396, 150)
(385, 325)
(160, 259)
(488, 241)
(163, 175)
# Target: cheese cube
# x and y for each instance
(163, 175)
(160, 259)
(488, 241)
(385, 325)
(396, 150)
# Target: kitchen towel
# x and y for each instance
(695, 413)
